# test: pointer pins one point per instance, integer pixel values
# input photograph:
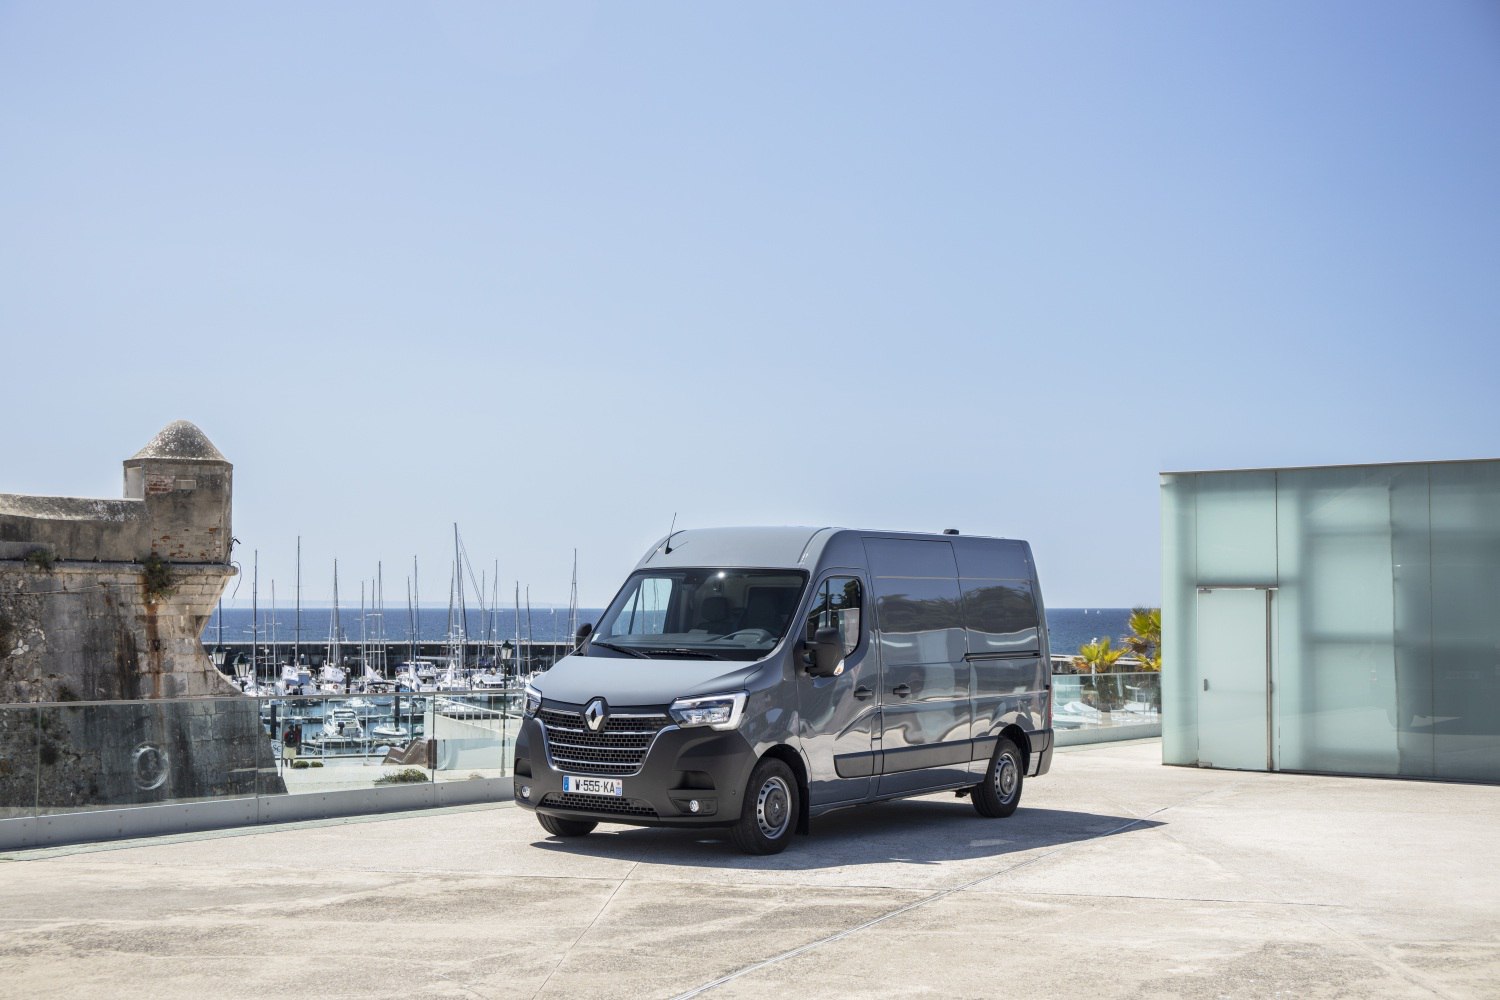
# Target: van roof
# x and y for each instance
(763, 546)
(737, 547)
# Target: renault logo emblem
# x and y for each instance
(595, 715)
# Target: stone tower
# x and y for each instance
(107, 599)
(104, 601)
(185, 484)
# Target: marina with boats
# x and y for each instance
(485, 648)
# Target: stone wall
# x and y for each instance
(92, 632)
(96, 645)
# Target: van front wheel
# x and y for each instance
(769, 814)
(1000, 791)
(559, 827)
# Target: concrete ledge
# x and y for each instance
(1106, 734)
(94, 825)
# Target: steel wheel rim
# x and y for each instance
(1007, 777)
(773, 808)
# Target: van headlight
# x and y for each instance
(720, 711)
(533, 700)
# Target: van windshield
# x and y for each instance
(724, 614)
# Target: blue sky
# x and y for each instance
(557, 272)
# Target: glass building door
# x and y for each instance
(1234, 661)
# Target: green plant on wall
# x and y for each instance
(156, 578)
(42, 559)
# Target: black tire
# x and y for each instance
(769, 816)
(1000, 791)
(559, 827)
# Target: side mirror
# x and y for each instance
(824, 654)
(584, 631)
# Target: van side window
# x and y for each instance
(1001, 616)
(838, 605)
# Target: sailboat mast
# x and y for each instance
(297, 627)
(448, 639)
(274, 650)
(255, 614)
(334, 645)
(463, 613)
(380, 620)
(364, 646)
(573, 600)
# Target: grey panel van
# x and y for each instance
(756, 678)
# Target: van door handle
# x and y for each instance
(863, 693)
(901, 691)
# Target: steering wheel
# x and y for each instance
(747, 635)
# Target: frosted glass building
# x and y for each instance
(1342, 620)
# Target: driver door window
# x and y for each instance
(838, 605)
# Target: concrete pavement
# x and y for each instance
(1117, 878)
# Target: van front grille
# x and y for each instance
(599, 804)
(617, 748)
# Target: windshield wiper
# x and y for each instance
(697, 654)
(620, 649)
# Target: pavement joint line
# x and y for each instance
(584, 933)
(934, 897)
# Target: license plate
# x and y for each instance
(580, 785)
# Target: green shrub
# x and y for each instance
(405, 776)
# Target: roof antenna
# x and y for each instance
(667, 549)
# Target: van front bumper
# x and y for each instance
(682, 766)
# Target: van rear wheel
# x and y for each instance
(559, 827)
(1000, 791)
(769, 815)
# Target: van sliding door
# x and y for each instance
(926, 718)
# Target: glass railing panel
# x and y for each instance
(19, 749)
(475, 733)
(325, 743)
(1084, 701)
(107, 755)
